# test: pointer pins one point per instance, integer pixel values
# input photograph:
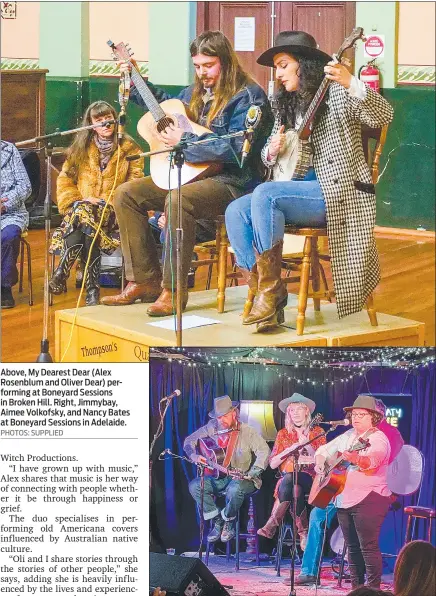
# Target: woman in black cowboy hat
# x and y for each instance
(337, 190)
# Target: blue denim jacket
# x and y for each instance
(231, 119)
(15, 187)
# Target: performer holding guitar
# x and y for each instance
(238, 444)
(331, 187)
(362, 494)
(217, 103)
(299, 428)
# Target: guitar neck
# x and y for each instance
(304, 129)
(148, 97)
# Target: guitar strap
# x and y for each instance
(231, 447)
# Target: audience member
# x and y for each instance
(14, 190)
(367, 591)
(414, 573)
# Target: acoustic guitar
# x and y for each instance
(214, 456)
(293, 161)
(304, 461)
(330, 484)
(161, 115)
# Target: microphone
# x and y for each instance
(175, 393)
(345, 422)
(252, 120)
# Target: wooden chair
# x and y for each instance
(308, 264)
(24, 244)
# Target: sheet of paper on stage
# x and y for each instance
(188, 322)
(244, 34)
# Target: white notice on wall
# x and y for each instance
(244, 34)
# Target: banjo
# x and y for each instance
(293, 161)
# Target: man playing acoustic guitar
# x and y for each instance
(364, 499)
(240, 444)
(219, 101)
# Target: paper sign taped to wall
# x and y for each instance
(244, 34)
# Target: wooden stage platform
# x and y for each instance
(124, 333)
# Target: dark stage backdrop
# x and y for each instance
(174, 519)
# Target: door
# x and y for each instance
(329, 23)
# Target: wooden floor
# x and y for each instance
(407, 289)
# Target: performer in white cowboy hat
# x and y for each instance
(337, 179)
(243, 447)
(364, 502)
(298, 410)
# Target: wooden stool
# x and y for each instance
(25, 245)
(414, 512)
(311, 269)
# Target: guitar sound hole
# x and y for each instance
(164, 123)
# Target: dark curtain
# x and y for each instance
(174, 518)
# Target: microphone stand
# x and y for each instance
(44, 355)
(179, 160)
(157, 434)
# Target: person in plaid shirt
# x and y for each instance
(15, 189)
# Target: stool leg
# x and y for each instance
(228, 551)
(341, 568)
(280, 547)
(29, 273)
(408, 529)
(206, 559)
(315, 273)
(304, 286)
(222, 267)
(372, 313)
(429, 530)
(237, 543)
(20, 286)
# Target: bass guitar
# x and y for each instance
(293, 161)
(330, 484)
(159, 116)
(214, 456)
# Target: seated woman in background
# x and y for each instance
(298, 410)
(15, 188)
(83, 187)
(414, 571)
(336, 192)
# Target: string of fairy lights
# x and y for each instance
(345, 365)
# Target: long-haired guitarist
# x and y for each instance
(219, 101)
(336, 189)
(298, 429)
(245, 457)
(364, 501)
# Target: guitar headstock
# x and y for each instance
(316, 420)
(120, 51)
(349, 41)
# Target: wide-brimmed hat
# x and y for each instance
(365, 402)
(297, 398)
(222, 405)
(297, 43)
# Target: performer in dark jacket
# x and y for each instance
(219, 100)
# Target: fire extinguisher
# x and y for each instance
(370, 75)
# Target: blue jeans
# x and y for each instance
(258, 219)
(10, 248)
(313, 552)
(235, 492)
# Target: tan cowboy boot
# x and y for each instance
(302, 523)
(272, 294)
(165, 305)
(251, 278)
(277, 514)
(146, 292)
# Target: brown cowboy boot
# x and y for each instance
(302, 523)
(146, 292)
(165, 305)
(277, 514)
(251, 278)
(272, 294)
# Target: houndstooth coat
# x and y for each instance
(346, 184)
